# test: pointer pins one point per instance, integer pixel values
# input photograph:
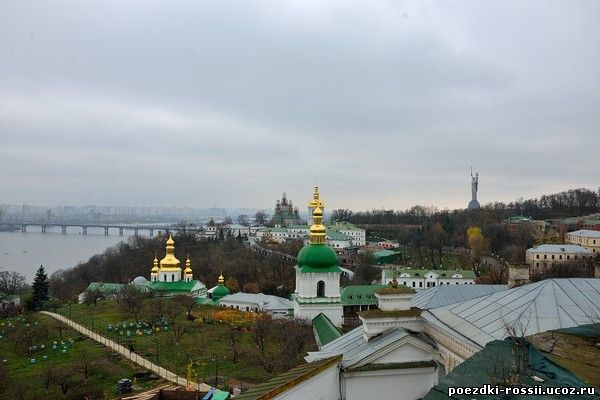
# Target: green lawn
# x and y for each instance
(19, 377)
(206, 345)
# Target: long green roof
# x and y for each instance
(337, 235)
(324, 329)
(287, 380)
(384, 253)
(444, 273)
(360, 294)
(106, 288)
(178, 286)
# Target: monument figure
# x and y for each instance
(474, 204)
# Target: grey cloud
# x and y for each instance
(385, 104)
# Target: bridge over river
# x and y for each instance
(22, 227)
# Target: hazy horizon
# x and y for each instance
(301, 205)
(383, 104)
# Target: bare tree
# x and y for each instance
(132, 298)
(260, 217)
(66, 378)
(92, 297)
(242, 219)
(11, 283)
(85, 362)
(187, 302)
(234, 342)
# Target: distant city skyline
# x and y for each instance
(300, 204)
(384, 104)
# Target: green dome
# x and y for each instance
(317, 258)
(219, 292)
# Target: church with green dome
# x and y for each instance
(318, 277)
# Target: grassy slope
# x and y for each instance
(108, 367)
(200, 345)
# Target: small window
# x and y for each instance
(420, 284)
(320, 289)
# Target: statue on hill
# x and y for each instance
(474, 204)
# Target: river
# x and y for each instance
(25, 252)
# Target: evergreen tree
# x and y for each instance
(40, 289)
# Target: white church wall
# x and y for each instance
(323, 386)
(308, 311)
(397, 384)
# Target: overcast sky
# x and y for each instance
(384, 104)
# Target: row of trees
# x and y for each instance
(569, 203)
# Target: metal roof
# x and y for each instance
(353, 347)
(176, 286)
(585, 233)
(333, 234)
(324, 329)
(360, 294)
(537, 307)
(502, 359)
(559, 248)
(267, 301)
(106, 288)
(444, 295)
(384, 253)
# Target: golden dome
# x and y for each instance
(170, 262)
(317, 230)
(188, 266)
(155, 265)
(316, 201)
(221, 279)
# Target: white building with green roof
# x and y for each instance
(318, 277)
(419, 279)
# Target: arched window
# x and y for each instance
(320, 289)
